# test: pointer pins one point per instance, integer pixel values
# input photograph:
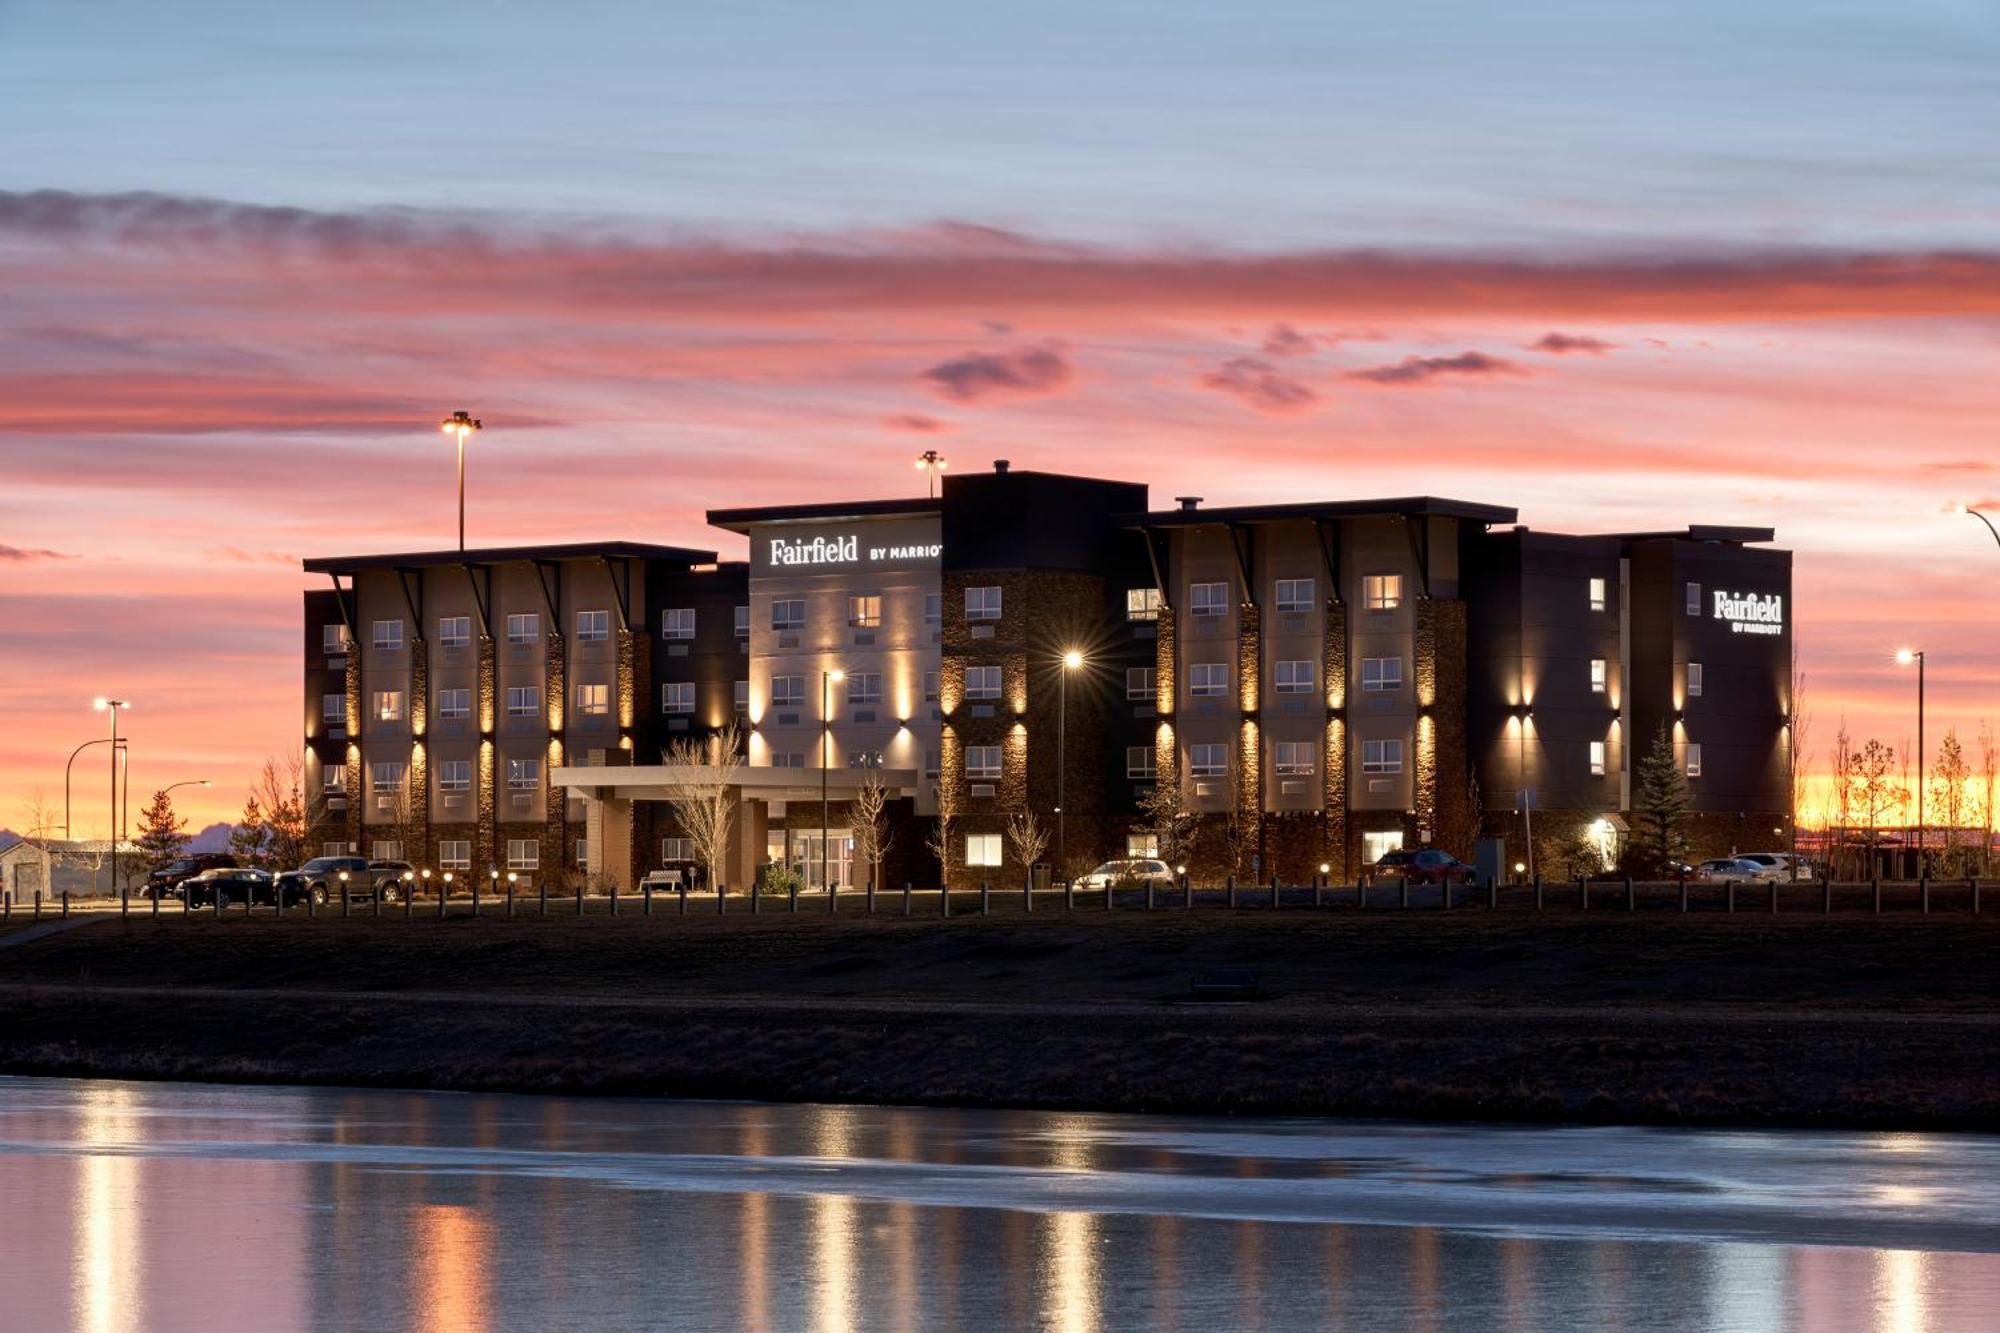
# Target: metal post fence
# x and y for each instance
(1631, 895)
(985, 897)
(645, 897)
(1875, 886)
(1232, 890)
(1731, 888)
(1774, 897)
(906, 897)
(1924, 892)
(1826, 896)
(65, 903)
(614, 899)
(1274, 890)
(1684, 893)
(1404, 898)
(683, 890)
(579, 895)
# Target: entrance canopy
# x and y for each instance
(655, 782)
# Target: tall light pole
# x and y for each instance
(67, 834)
(826, 683)
(114, 833)
(1968, 509)
(461, 424)
(933, 462)
(1904, 657)
(191, 782)
(1071, 661)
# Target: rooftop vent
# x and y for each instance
(1000, 465)
(1189, 502)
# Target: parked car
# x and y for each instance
(232, 885)
(163, 882)
(1131, 873)
(319, 878)
(1426, 865)
(387, 878)
(1725, 868)
(1780, 866)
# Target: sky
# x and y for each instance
(1620, 266)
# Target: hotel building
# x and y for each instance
(1321, 681)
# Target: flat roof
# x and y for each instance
(498, 555)
(741, 520)
(1699, 532)
(1328, 509)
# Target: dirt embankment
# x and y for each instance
(1723, 1020)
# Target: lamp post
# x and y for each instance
(932, 462)
(461, 424)
(191, 782)
(113, 832)
(826, 682)
(1968, 509)
(1904, 657)
(66, 771)
(1071, 661)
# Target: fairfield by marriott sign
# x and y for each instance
(845, 549)
(1751, 613)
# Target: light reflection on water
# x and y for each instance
(132, 1206)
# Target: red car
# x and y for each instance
(1428, 866)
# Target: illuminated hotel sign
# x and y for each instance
(1751, 613)
(844, 549)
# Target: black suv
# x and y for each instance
(230, 886)
(164, 882)
(319, 878)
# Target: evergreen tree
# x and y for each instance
(162, 835)
(247, 840)
(1662, 802)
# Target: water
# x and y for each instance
(166, 1206)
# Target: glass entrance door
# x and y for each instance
(806, 848)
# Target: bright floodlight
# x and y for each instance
(836, 674)
(100, 703)
(1905, 656)
(1072, 659)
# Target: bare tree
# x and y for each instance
(38, 830)
(1989, 782)
(290, 812)
(1949, 777)
(868, 823)
(938, 841)
(700, 781)
(1175, 824)
(1840, 815)
(1029, 838)
(1800, 752)
(1875, 791)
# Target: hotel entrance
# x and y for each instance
(800, 849)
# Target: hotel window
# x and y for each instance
(677, 696)
(742, 696)
(788, 613)
(583, 853)
(523, 853)
(333, 709)
(1598, 672)
(523, 701)
(982, 603)
(593, 626)
(1142, 846)
(789, 759)
(1142, 603)
(388, 777)
(1140, 763)
(1597, 759)
(1295, 594)
(1382, 592)
(930, 763)
(454, 703)
(1381, 756)
(742, 622)
(933, 607)
(930, 687)
(1381, 673)
(524, 628)
(1293, 677)
(333, 779)
(1694, 599)
(1208, 599)
(389, 636)
(676, 849)
(1208, 761)
(455, 631)
(455, 775)
(333, 639)
(1694, 759)
(982, 682)
(385, 849)
(864, 687)
(982, 761)
(1295, 759)
(524, 774)
(982, 849)
(1208, 680)
(1694, 680)
(455, 854)
(788, 691)
(1140, 684)
(388, 706)
(1597, 594)
(333, 849)
(864, 612)
(677, 622)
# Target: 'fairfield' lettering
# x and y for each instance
(1751, 613)
(818, 551)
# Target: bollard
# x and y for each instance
(1493, 893)
(1631, 896)
(832, 898)
(1731, 887)
(906, 897)
(375, 903)
(1826, 896)
(6, 904)
(1973, 885)
(1684, 893)
(795, 897)
(1232, 890)
(1875, 883)
(1774, 897)
(1028, 893)
(1538, 893)
(944, 894)
(156, 904)
(1149, 894)
(312, 904)
(1069, 894)
(1924, 892)
(985, 897)
(1444, 894)
(475, 897)
(218, 899)
(721, 899)
(1108, 891)
(1319, 890)
(579, 896)
(1405, 897)
(125, 904)
(444, 895)
(756, 894)
(38, 904)
(1274, 891)
(614, 898)
(346, 900)
(1360, 891)
(684, 898)
(409, 905)
(542, 897)
(1582, 894)
(871, 895)
(645, 897)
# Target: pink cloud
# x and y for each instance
(916, 423)
(1416, 370)
(1284, 340)
(1558, 344)
(1261, 385)
(25, 555)
(1040, 369)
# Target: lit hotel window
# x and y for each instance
(388, 777)
(523, 701)
(742, 696)
(1381, 673)
(1381, 756)
(677, 622)
(1295, 759)
(676, 849)
(677, 696)
(982, 761)
(982, 603)
(1142, 846)
(1139, 686)
(788, 613)
(1293, 677)
(864, 612)
(455, 775)
(864, 687)
(333, 779)
(333, 709)
(1382, 592)
(982, 682)
(524, 774)
(1694, 680)
(982, 849)
(1208, 599)
(1597, 594)
(333, 639)
(455, 631)
(388, 705)
(1141, 763)
(930, 687)
(1597, 675)
(455, 854)
(1295, 594)
(1208, 761)
(742, 622)
(933, 607)
(386, 849)
(788, 691)
(388, 636)
(593, 626)
(524, 628)
(1694, 760)
(454, 703)
(1694, 599)
(523, 853)
(1142, 603)
(1208, 680)
(1597, 759)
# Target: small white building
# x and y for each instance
(54, 866)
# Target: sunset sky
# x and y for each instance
(1621, 266)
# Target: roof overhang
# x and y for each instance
(1413, 506)
(500, 555)
(657, 782)
(835, 511)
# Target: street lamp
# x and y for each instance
(1905, 656)
(827, 679)
(67, 834)
(1072, 660)
(191, 782)
(111, 706)
(1968, 509)
(461, 424)
(932, 462)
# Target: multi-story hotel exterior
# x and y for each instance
(1323, 682)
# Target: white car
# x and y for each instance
(1128, 874)
(1726, 868)
(1780, 866)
